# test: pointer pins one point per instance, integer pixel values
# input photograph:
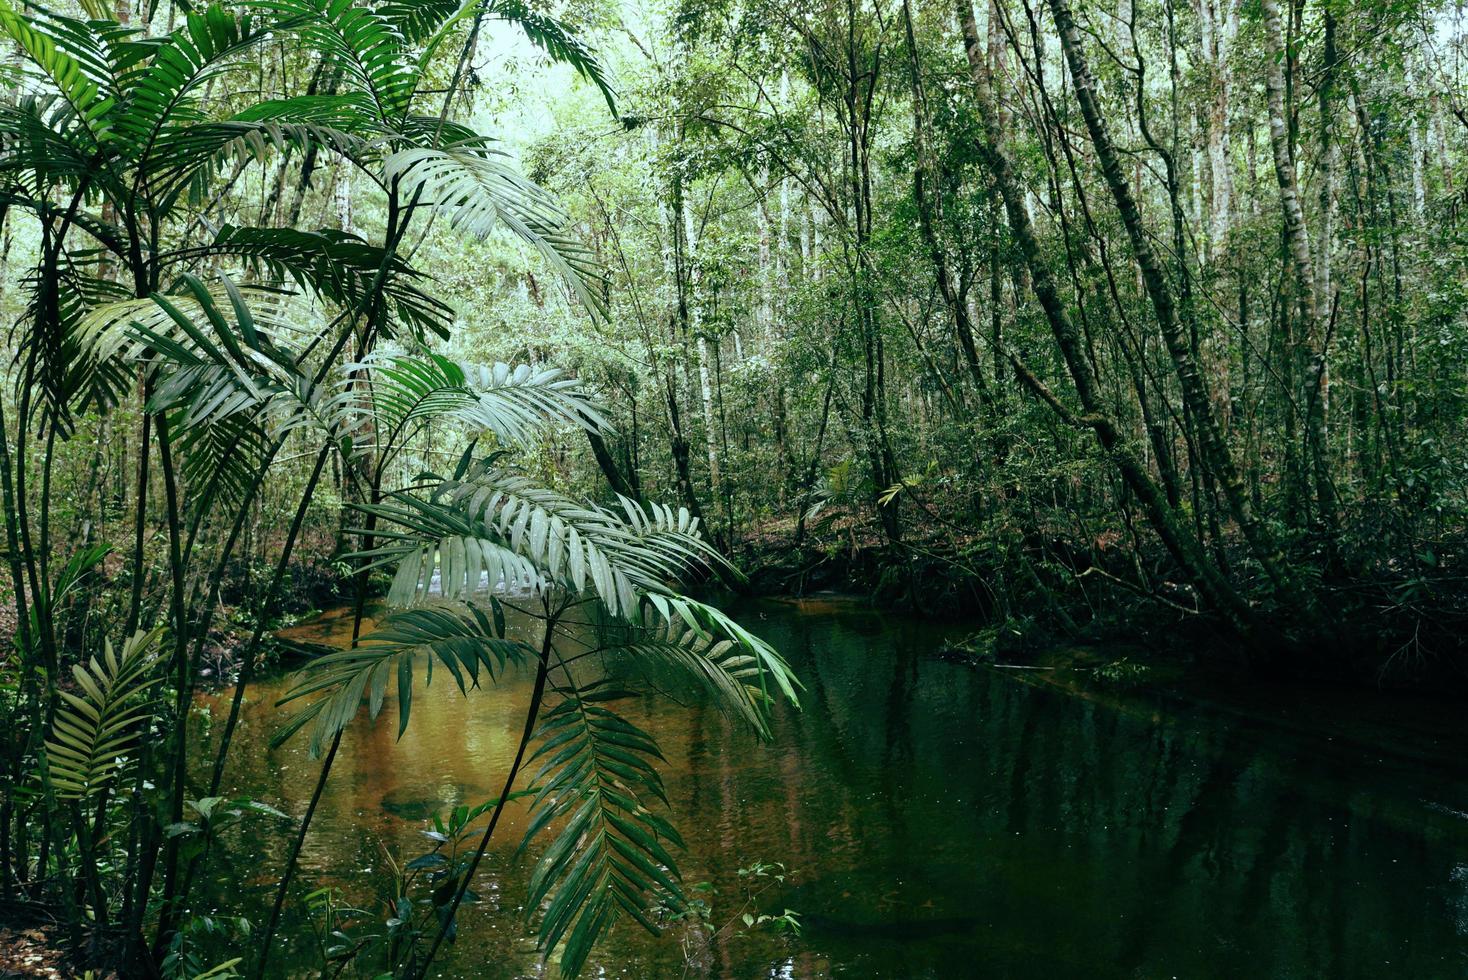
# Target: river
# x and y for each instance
(937, 821)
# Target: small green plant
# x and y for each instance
(185, 957)
(696, 913)
(1123, 673)
(209, 818)
(417, 900)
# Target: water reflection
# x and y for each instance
(941, 822)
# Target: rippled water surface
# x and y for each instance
(939, 821)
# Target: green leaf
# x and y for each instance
(93, 731)
(463, 638)
(609, 856)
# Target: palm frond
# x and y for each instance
(335, 265)
(95, 729)
(426, 22)
(533, 536)
(610, 856)
(56, 346)
(158, 102)
(360, 41)
(216, 357)
(557, 40)
(196, 155)
(580, 545)
(418, 20)
(388, 395)
(67, 68)
(465, 640)
(39, 146)
(439, 551)
(105, 50)
(480, 191)
(741, 672)
(225, 453)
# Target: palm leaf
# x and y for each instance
(56, 346)
(740, 672)
(427, 22)
(196, 155)
(67, 68)
(617, 556)
(158, 102)
(610, 857)
(493, 520)
(361, 42)
(97, 727)
(466, 640)
(40, 147)
(388, 396)
(216, 359)
(480, 191)
(775, 677)
(557, 40)
(418, 20)
(443, 552)
(334, 265)
(225, 453)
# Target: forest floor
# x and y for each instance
(30, 949)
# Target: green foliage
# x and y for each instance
(465, 641)
(610, 857)
(389, 397)
(211, 816)
(97, 728)
(187, 956)
(479, 192)
(1122, 673)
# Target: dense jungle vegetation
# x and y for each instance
(1074, 319)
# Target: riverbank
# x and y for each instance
(1389, 625)
(1414, 728)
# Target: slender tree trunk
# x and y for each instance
(930, 215)
(1310, 339)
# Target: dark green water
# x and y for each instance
(939, 821)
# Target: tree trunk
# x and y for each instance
(1309, 338)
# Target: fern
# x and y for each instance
(96, 728)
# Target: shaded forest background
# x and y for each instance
(1075, 318)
